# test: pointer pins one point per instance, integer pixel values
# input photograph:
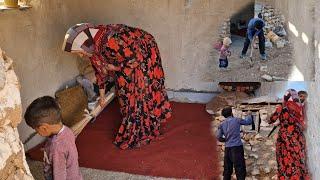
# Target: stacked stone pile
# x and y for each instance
(275, 25)
(12, 157)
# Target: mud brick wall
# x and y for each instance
(12, 158)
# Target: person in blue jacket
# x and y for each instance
(255, 28)
(229, 133)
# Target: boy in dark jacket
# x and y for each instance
(229, 132)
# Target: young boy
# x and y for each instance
(229, 132)
(303, 95)
(60, 151)
(224, 53)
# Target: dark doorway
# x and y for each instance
(240, 20)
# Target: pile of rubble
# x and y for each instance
(259, 149)
(275, 25)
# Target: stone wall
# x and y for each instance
(12, 157)
(313, 114)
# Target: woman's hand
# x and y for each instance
(102, 100)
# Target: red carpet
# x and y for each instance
(188, 150)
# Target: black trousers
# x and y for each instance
(234, 157)
(262, 45)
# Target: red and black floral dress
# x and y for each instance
(291, 143)
(139, 83)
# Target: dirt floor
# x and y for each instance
(279, 64)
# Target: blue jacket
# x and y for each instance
(230, 129)
(251, 30)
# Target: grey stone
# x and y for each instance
(253, 142)
(267, 169)
(247, 147)
(280, 44)
(276, 78)
(254, 155)
(264, 68)
(269, 143)
(255, 171)
(267, 77)
(268, 44)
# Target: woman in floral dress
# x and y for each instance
(131, 57)
(291, 143)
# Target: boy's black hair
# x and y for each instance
(43, 110)
(258, 24)
(227, 112)
(303, 92)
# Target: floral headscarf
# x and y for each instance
(80, 37)
(291, 95)
(291, 102)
